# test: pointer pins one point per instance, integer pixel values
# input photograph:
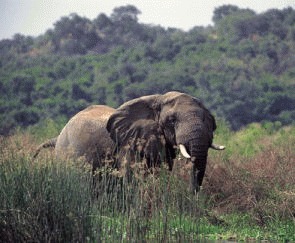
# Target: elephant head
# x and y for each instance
(177, 118)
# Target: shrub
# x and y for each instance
(260, 185)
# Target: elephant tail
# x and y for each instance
(48, 144)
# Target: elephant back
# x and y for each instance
(85, 134)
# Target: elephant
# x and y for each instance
(149, 127)
(166, 121)
(84, 136)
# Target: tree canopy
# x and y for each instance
(242, 68)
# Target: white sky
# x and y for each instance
(34, 17)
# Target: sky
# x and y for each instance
(34, 17)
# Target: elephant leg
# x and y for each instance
(170, 156)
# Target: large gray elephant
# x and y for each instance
(85, 136)
(150, 128)
(166, 121)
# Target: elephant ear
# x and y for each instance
(134, 119)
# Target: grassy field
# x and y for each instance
(248, 194)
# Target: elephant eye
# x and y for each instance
(171, 120)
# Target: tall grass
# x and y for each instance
(145, 209)
(42, 200)
(246, 195)
(56, 201)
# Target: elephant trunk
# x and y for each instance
(199, 160)
(194, 144)
(198, 155)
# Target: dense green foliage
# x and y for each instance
(248, 194)
(243, 67)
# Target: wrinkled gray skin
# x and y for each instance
(173, 119)
(85, 136)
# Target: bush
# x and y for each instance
(262, 184)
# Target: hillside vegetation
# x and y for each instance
(243, 67)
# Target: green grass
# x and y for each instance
(43, 202)
(244, 197)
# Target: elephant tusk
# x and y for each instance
(184, 152)
(217, 147)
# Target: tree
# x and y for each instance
(75, 34)
(123, 13)
(237, 25)
(26, 117)
(102, 22)
(223, 11)
(22, 43)
(23, 86)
